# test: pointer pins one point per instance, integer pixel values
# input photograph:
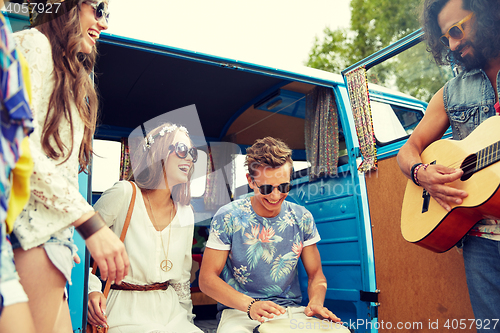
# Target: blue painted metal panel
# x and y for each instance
(368, 261)
(333, 201)
(15, 21)
(364, 310)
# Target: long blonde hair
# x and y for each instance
(148, 164)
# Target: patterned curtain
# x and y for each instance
(209, 198)
(322, 133)
(220, 184)
(125, 160)
(357, 85)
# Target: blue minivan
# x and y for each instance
(376, 280)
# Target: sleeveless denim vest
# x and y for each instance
(469, 100)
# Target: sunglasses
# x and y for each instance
(456, 31)
(101, 10)
(268, 189)
(182, 151)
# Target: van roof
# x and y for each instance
(139, 80)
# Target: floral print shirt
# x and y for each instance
(263, 252)
(16, 124)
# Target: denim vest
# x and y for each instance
(469, 99)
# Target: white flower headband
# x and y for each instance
(150, 139)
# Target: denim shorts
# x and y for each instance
(10, 288)
(60, 249)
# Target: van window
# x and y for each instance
(106, 168)
(241, 171)
(199, 177)
(411, 72)
(392, 122)
(300, 165)
(105, 164)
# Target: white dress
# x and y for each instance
(149, 311)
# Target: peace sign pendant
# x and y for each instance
(166, 265)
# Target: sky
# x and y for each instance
(269, 32)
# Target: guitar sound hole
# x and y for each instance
(468, 166)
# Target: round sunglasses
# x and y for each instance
(101, 10)
(456, 31)
(268, 189)
(182, 151)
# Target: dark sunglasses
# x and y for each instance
(101, 10)
(182, 151)
(268, 189)
(456, 31)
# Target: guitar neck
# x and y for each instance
(488, 156)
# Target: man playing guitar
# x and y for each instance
(467, 32)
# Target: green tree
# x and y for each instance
(376, 24)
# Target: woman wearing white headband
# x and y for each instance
(155, 296)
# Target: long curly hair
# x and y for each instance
(72, 82)
(485, 27)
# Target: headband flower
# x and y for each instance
(150, 139)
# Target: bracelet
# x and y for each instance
(250, 305)
(421, 165)
(91, 226)
(413, 173)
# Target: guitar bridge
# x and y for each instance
(427, 197)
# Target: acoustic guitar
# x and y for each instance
(427, 224)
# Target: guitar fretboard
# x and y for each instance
(487, 156)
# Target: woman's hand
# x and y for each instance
(97, 309)
(109, 253)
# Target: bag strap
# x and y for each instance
(129, 212)
(122, 236)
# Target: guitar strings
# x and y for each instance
(456, 164)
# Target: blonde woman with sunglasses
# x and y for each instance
(60, 50)
(464, 33)
(155, 296)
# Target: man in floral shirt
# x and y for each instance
(250, 263)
